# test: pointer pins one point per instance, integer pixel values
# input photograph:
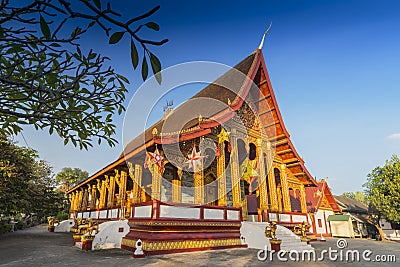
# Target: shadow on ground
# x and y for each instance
(37, 247)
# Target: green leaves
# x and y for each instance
(116, 37)
(145, 69)
(44, 27)
(153, 25)
(50, 83)
(97, 3)
(383, 189)
(154, 61)
(134, 55)
(156, 67)
(26, 182)
(76, 32)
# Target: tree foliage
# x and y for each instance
(47, 81)
(26, 183)
(68, 177)
(383, 189)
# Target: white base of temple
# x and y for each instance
(110, 234)
(254, 237)
(64, 226)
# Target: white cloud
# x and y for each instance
(394, 136)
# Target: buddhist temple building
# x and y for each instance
(198, 177)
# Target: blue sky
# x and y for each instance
(334, 67)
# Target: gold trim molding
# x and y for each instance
(185, 244)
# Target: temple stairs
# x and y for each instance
(253, 234)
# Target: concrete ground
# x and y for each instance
(37, 247)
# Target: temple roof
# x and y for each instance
(254, 69)
(216, 90)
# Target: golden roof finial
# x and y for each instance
(265, 34)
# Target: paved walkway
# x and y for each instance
(37, 247)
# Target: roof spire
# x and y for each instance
(265, 33)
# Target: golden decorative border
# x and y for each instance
(185, 244)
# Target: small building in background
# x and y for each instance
(358, 217)
(320, 205)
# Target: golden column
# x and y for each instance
(124, 180)
(70, 201)
(111, 192)
(262, 177)
(155, 182)
(80, 200)
(285, 189)
(198, 186)
(94, 197)
(303, 201)
(279, 196)
(75, 201)
(102, 187)
(120, 179)
(221, 175)
(85, 198)
(177, 188)
(271, 179)
(176, 191)
(117, 179)
(138, 176)
(135, 173)
(235, 173)
(71, 198)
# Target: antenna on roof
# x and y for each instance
(169, 105)
(265, 34)
(168, 108)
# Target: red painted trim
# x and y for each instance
(313, 223)
(278, 112)
(201, 214)
(326, 226)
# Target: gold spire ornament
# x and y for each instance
(265, 34)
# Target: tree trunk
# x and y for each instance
(380, 231)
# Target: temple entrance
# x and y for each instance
(210, 190)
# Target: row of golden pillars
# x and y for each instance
(86, 197)
(276, 193)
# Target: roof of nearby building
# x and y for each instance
(338, 217)
(315, 197)
(351, 205)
